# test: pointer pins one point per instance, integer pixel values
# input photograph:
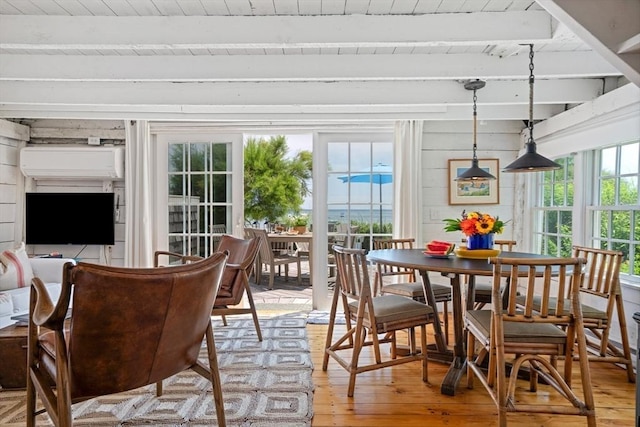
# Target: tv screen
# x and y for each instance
(70, 219)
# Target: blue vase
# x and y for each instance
(480, 241)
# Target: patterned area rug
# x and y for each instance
(264, 384)
(317, 317)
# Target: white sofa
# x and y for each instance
(16, 301)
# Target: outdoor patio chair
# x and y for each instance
(372, 321)
(408, 286)
(130, 327)
(271, 260)
(533, 338)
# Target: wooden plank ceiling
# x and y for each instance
(308, 60)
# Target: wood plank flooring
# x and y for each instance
(396, 396)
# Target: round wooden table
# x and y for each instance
(452, 267)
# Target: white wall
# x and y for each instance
(12, 137)
(442, 141)
(75, 133)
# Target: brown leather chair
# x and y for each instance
(130, 327)
(235, 280)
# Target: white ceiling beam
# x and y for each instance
(273, 114)
(255, 32)
(610, 27)
(300, 67)
(296, 93)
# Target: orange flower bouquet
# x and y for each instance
(475, 223)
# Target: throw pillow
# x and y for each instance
(15, 271)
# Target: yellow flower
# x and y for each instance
(485, 225)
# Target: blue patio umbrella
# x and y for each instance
(379, 174)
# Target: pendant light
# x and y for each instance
(474, 173)
(531, 161)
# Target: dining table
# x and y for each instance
(293, 237)
(453, 267)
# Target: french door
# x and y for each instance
(200, 190)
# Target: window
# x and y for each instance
(360, 189)
(553, 210)
(615, 213)
(199, 185)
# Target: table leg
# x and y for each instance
(458, 365)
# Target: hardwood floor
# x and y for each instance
(396, 396)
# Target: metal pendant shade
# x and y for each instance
(475, 172)
(531, 161)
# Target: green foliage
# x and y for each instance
(274, 185)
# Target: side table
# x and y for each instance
(13, 353)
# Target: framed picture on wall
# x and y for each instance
(473, 193)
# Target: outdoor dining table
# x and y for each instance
(451, 267)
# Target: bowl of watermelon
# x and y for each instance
(439, 249)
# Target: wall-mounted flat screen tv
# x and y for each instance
(70, 219)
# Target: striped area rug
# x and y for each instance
(264, 384)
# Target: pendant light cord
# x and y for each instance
(475, 125)
(531, 80)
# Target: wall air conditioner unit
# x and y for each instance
(90, 163)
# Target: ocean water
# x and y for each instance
(360, 215)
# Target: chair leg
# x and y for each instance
(215, 377)
(445, 315)
(159, 388)
(423, 349)
(625, 338)
(254, 313)
(224, 320)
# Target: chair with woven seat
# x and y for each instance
(372, 321)
(271, 259)
(602, 305)
(408, 287)
(130, 327)
(483, 290)
(533, 339)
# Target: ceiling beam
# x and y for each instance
(297, 93)
(301, 67)
(611, 28)
(275, 115)
(159, 33)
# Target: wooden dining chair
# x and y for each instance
(130, 327)
(408, 286)
(271, 259)
(533, 338)
(482, 294)
(371, 321)
(602, 307)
